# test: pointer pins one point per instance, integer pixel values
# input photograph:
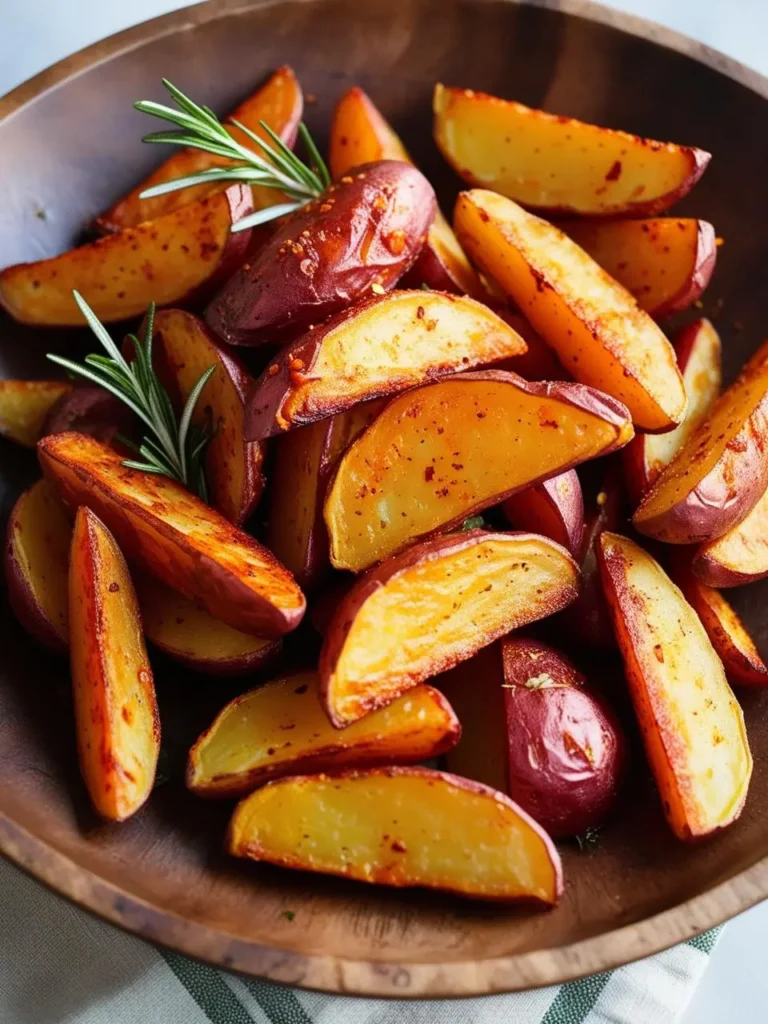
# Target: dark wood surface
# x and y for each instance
(69, 144)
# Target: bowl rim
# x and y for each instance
(325, 972)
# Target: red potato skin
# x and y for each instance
(554, 508)
(704, 267)
(566, 750)
(337, 631)
(367, 229)
(460, 783)
(90, 409)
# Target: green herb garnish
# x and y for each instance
(172, 448)
(589, 839)
(288, 915)
(278, 168)
(473, 523)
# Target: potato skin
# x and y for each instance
(555, 508)
(566, 750)
(366, 229)
(90, 409)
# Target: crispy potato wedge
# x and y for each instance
(595, 326)
(400, 827)
(24, 405)
(281, 729)
(183, 349)
(379, 347)
(665, 262)
(175, 259)
(554, 508)
(172, 535)
(36, 565)
(740, 556)
(538, 362)
(697, 347)
(730, 639)
(303, 464)
(587, 620)
(361, 235)
(186, 632)
(279, 102)
(117, 722)
(720, 472)
(90, 409)
(360, 135)
(692, 726)
(559, 164)
(432, 606)
(441, 452)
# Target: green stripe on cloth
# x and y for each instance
(206, 986)
(707, 941)
(278, 1003)
(574, 1000)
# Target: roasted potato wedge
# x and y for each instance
(400, 827)
(24, 405)
(359, 236)
(720, 472)
(666, 262)
(555, 508)
(692, 726)
(90, 409)
(559, 164)
(421, 612)
(36, 565)
(175, 259)
(379, 347)
(172, 535)
(360, 135)
(697, 347)
(281, 729)
(730, 639)
(439, 453)
(183, 349)
(186, 632)
(595, 326)
(534, 730)
(740, 556)
(279, 102)
(538, 362)
(117, 722)
(303, 464)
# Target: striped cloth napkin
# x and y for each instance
(60, 965)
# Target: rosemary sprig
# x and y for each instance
(278, 167)
(173, 449)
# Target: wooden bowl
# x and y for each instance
(69, 144)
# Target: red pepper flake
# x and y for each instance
(398, 846)
(615, 172)
(429, 473)
(420, 313)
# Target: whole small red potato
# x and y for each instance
(360, 236)
(566, 750)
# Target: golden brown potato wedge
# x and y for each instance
(421, 612)
(692, 726)
(595, 326)
(721, 472)
(360, 135)
(559, 164)
(174, 259)
(36, 565)
(379, 347)
(278, 102)
(186, 632)
(439, 453)
(555, 508)
(24, 405)
(172, 535)
(361, 235)
(736, 648)
(400, 827)
(538, 362)
(697, 347)
(303, 464)
(183, 349)
(118, 727)
(281, 729)
(740, 556)
(665, 262)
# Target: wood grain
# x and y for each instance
(163, 875)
